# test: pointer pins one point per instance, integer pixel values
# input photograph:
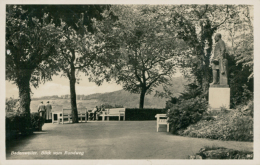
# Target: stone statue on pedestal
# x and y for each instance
(219, 91)
(219, 63)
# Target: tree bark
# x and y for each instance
(141, 104)
(205, 83)
(73, 101)
(23, 83)
(206, 72)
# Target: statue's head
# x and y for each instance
(206, 44)
(217, 37)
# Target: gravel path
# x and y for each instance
(110, 140)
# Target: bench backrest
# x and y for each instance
(116, 110)
(161, 118)
(82, 111)
(66, 111)
(57, 108)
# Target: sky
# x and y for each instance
(60, 86)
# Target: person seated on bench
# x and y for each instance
(98, 112)
(92, 115)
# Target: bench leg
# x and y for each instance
(168, 128)
(118, 117)
(103, 118)
(124, 118)
(157, 127)
(107, 118)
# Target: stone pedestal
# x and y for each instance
(219, 96)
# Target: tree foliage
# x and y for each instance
(240, 34)
(28, 52)
(33, 35)
(144, 46)
(77, 53)
(197, 25)
(78, 49)
(28, 48)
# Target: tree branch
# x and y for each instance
(206, 8)
(215, 27)
(162, 74)
(86, 64)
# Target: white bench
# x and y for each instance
(66, 114)
(114, 112)
(162, 120)
(82, 114)
(56, 113)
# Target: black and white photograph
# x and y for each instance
(129, 83)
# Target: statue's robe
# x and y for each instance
(221, 65)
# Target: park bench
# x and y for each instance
(65, 114)
(114, 112)
(82, 114)
(56, 113)
(162, 120)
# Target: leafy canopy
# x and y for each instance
(143, 45)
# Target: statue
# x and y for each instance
(219, 63)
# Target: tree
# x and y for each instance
(77, 53)
(197, 24)
(144, 45)
(240, 30)
(78, 48)
(75, 18)
(29, 46)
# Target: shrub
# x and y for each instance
(37, 121)
(11, 105)
(186, 112)
(12, 121)
(232, 125)
(247, 109)
(221, 153)
(17, 121)
(170, 103)
(191, 91)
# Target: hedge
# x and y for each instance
(142, 114)
(16, 123)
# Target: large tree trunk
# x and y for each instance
(205, 82)
(73, 101)
(141, 104)
(23, 83)
(206, 74)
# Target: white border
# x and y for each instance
(135, 161)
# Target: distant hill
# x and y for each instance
(120, 97)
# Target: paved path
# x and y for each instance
(112, 140)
